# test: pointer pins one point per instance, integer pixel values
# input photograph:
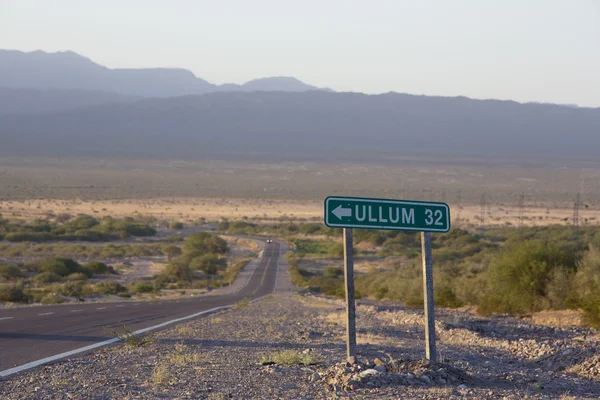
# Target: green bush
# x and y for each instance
(55, 266)
(51, 299)
(586, 287)
(519, 276)
(176, 225)
(71, 289)
(13, 293)
(333, 272)
(47, 277)
(29, 237)
(97, 267)
(10, 272)
(336, 250)
(201, 243)
(109, 287)
(177, 270)
(63, 267)
(142, 287)
(77, 276)
(208, 263)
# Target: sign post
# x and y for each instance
(430, 352)
(405, 215)
(349, 286)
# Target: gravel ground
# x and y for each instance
(231, 354)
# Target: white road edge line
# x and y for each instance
(101, 308)
(46, 360)
(6, 318)
(46, 313)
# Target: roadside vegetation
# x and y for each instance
(497, 270)
(198, 263)
(65, 227)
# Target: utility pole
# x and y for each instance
(521, 198)
(482, 211)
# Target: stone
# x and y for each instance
(369, 372)
(378, 361)
(426, 379)
(353, 385)
(351, 360)
(463, 386)
(380, 368)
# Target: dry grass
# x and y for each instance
(184, 330)
(557, 318)
(181, 356)
(289, 357)
(161, 375)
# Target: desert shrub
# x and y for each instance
(97, 267)
(13, 293)
(296, 274)
(328, 286)
(233, 271)
(29, 237)
(336, 250)
(63, 267)
(445, 296)
(77, 276)
(586, 288)
(177, 270)
(333, 272)
(208, 263)
(10, 272)
(176, 225)
(313, 247)
(201, 243)
(310, 229)
(55, 266)
(171, 251)
(71, 289)
(142, 287)
(109, 287)
(47, 277)
(519, 275)
(51, 298)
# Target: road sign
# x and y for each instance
(404, 215)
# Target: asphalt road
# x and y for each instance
(31, 333)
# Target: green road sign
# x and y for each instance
(403, 215)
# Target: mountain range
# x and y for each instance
(69, 70)
(65, 105)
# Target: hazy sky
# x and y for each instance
(526, 50)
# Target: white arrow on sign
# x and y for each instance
(342, 212)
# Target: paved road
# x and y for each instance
(31, 333)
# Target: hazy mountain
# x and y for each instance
(68, 70)
(34, 101)
(310, 125)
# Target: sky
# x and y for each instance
(523, 50)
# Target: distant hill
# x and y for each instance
(35, 101)
(71, 71)
(314, 125)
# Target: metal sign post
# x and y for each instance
(349, 285)
(403, 215)
(430, 352)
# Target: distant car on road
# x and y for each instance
(269, 240)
